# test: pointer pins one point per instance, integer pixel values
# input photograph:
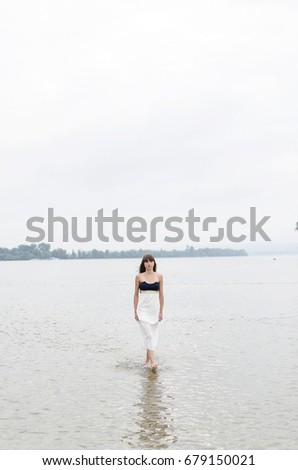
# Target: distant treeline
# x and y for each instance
(43, 251)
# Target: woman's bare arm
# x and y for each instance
(136, 297)
(161, 297)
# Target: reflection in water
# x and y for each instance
(155, 422)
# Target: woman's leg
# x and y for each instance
(151, 359)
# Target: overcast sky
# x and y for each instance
(150, 107)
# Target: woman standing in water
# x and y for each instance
(148, 305)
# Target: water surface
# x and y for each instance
(72, 372)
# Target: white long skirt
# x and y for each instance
(148, 311)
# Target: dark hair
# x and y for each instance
(147, 257)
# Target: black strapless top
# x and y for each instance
(146, 286)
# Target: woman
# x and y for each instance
(148, 305)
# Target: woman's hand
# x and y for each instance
(136, 316)
(160, 316)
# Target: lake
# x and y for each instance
(72, 372)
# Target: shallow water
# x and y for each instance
(72, 373)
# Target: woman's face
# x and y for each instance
(148, 265)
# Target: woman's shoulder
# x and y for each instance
(160, 276)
